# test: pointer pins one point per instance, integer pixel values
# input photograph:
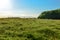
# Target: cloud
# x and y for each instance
(24, 13)
(5, 13)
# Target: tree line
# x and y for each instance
(53, 14)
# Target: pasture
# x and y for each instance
(29, 29)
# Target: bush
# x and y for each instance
(53, 14)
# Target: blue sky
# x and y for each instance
(27, 8)
(36, 4)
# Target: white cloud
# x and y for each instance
(24, 13)
(5, 13)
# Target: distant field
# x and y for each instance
(29, 29)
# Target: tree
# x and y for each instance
(53, 14)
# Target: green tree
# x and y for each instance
(53, 14)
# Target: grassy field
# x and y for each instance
(29, 29)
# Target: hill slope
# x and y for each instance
(53, 14)
(29, 29)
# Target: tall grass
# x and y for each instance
(29, 29)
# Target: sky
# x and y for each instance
(26, 8)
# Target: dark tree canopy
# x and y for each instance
(53, 14)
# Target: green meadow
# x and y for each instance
(29, 29)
